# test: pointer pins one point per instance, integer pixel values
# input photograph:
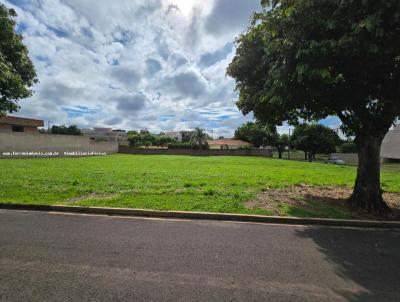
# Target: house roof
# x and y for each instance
(20, 121)
(228, 142)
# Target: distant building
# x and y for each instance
(391, 145)
(228, 144)
(106, 135)
(179, 135)
(20, 124)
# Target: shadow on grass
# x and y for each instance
(369, 258)
(315, 205)
(318, 206)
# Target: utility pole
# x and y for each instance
(289, 144)
(212, 133)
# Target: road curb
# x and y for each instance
(203, 216)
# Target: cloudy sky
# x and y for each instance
(134, 64)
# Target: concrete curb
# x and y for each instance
(204, 216)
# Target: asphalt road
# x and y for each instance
(57, 257)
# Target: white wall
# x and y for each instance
(349, 158)
(391, 144)
(14, 144)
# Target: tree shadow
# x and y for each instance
(369, 258)
(342, 205)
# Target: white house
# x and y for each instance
(179, 135)
(106, 134)
(391, 145)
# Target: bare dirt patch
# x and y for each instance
(309, 198)
(97, 196)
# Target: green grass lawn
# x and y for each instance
(212, 184)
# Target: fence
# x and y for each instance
(349, 158)
(229, 152)
(13, 144)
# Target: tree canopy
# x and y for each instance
(147, 139)
(71, 130)
(314, 139)
(315, 58)
(260, 134)
(348, 147)
(256, 134)
(199, 138)
(17, 73)
(310, 59)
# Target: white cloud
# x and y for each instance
(133, 64)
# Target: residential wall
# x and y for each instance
(352, 158)
(391, 144)
(5, 127)
(8, 128)
(33, 130)
(64, 145)
(179, 135)
(105, 134)
(253, 152)
(218, 147)
(349, 158)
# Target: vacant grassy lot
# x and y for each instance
(214, 184)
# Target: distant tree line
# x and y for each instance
(312, 139)
(260, 135)
(196, 139)
(65, 130)
(144, 138)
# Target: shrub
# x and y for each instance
(348, 147)
(64, 130)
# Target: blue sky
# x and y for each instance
(155, 64)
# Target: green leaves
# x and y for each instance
(309, 59)
(257, 134)
(17, 73)
(314, 138)
(321, 58)
(198, 138)
(71, 130)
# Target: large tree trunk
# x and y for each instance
(367, 193)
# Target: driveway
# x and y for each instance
(59, 257)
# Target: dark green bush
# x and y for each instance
(348, 147)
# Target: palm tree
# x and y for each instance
(198, 138)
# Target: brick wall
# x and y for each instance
(28, 129)
(254, 152)
(4, 127)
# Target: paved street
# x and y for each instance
(56, 257)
